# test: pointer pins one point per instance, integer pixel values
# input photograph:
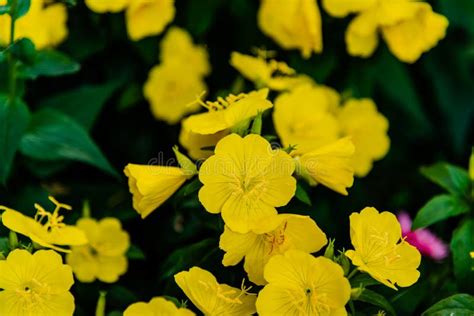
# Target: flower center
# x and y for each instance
(276, 238)
(51, 220)
(221, 103)
(380, 249)
(33, 293)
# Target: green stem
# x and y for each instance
(353, 272)
(11, 58)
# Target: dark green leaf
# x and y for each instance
(376, 299)
(302, 195)
(4, 246)
(121, 295)
(130, 96)
(4, 9)
(460, 13)
(458, 305)
(186, 257)
(54, 136)
(18, 8)
(83, 104)
(14, 119)
(462, 244)
(201, 14)
(439, 208)
(451, 178)
(135, 253)
(48, 63)
(22, 49)
(363, 279)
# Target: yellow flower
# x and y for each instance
(104, 256)
(35, 284)
(380, 250)
(300, 284)
(46, 229)
(292, 24)
(102, 6)
(330, 165)
(246, 180)
(158, 306)
(44, 24)
(471, 165)
(278, 234)
(148, 17)
(151, 186)
(212, 298)
(410, 28)
(177, 46)
(265, 72)
(368, 130)
(303, 117)
(224, 116)
(171, 91)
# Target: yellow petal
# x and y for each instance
(102, 6)
(361, 35)
(148, 17)
(341, 8)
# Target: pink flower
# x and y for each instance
(425, 241)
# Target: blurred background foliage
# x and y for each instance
(430, 107)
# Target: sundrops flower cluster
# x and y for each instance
(44, 24)
(143, 17)
(172, 86)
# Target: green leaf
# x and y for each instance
(4, 9)
(122, 295)
(14, 120)
(439, 208)
(186, 257)
(460, 13)
(302, 195)
(54, 136)
(48, 63)
(376, 299)
(190, 188)
(4, 247)
(201, 14)
(458, 304)
(83, 104)
(364, 280)
(462, 243)
(452, 178)
(135, 253)
(18, 8)
(22, 49)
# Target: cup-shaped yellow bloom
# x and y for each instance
(367, 128)
(151, 186)
(102, 6)
(177, 47)
(300, 284)
(35, 284)
(44, 24)
(212, 298)
(329, 165)
(46, 228)
(412, 37)
(103, 257)
(304, 117)
(292, 24)
(410, 28)
(171, 91)
(279, 234)
(224, 115)
(245, 180)
(380, 250)
(148, 17)
(158, 306)
(264, 72)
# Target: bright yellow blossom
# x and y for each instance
(292, 24)
(35, 284)
(329, 165)
(367, 128)
(44, 24)
(300, 284)
(410, 28)
(151, 185)
(158, 306)
(245, 180)
(171, 91)
(177, 47)
(46, 229)
(224, 116)
(148, 17)
(304, 117)
(265, 72)
(102, 6)
(471, 165)
(278, 234)
(379, 249)
(212, 298)
(103, 257)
